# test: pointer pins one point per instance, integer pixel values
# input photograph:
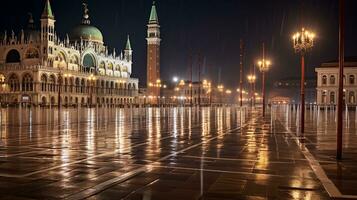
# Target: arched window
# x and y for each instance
(88, 63)
(352, 98)
(323, 97)
(61, 59)
(102, 65)
(52, 83)
(324, 80)
(332, 80)
(32, 53)
(83, 85)
(352, 79)
(13, 56)
(77, 85)
(110, 66)
(74, 60)
(27, 83)
(332, 97)
(102, 69)
(14, 83)
(71, 84)
(43, 83)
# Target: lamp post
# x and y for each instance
(303, 41)
(341, 64)
(251, 80)
(264, 66)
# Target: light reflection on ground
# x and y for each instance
(151, 153)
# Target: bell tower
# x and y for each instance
(153, 53)
(47, 33)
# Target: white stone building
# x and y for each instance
(39, 68)
(327, 82)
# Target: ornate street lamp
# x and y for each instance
(251, 80)
(303, 41)
(264, 66)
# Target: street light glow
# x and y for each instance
(175, 79)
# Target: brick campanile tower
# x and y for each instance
(153, 55)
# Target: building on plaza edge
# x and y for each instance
(39, 68)
(327, 82)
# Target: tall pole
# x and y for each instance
(340, 82)
(254, 86)
(263, 91)
(302, 94)
(199, 79)
(251, 94)
(191, 66)
(263, 81)
(241, 74)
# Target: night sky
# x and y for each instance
(212, 28)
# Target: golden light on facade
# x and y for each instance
(70, 75)
(228, 92)
(91, 77)
(182, 82)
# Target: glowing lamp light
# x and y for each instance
(175, 79)
(303, 40)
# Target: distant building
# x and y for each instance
(327, 82)
(195, 93)
(39, 68)
(279, 100)
(290, 88)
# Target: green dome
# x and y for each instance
(86, 32)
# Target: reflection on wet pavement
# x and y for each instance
(150, 153)
(321, 141)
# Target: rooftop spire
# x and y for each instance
(128, 44)
(85, 19)
(47, 11)
(153, 14)
(31, 24)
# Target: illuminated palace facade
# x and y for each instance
(327, 82)
(39, 68)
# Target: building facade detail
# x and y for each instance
(39, 68)
(327, 83)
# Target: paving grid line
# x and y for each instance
(227, 172)
(78, 161)
(329, 186)
(89, 158)
(107, 184)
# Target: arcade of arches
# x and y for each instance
(73, 90)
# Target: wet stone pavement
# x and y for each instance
(152, 154)
(320, 134)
